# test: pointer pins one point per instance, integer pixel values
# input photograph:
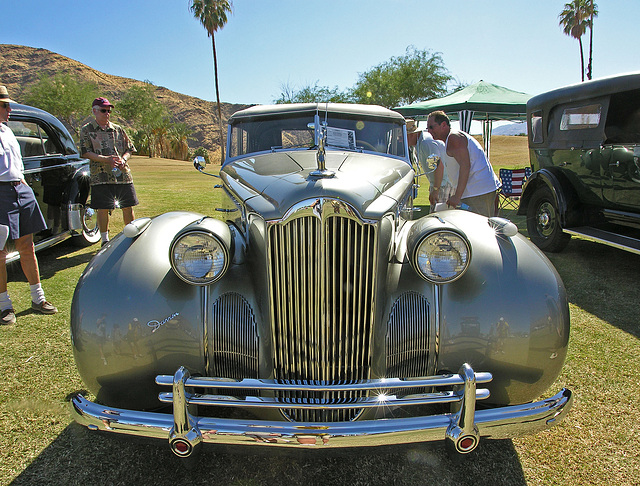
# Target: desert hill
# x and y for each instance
(21, 66)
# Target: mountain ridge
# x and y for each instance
(21, 66)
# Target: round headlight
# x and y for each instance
(442, 256)
(198, 258)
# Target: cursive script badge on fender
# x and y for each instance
(155, 325)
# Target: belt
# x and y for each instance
(10, 183)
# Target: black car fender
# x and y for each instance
(562, 190)
(80, 185)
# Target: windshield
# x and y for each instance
(298, 131)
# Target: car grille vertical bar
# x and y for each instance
(321, 270)
(407, 340)
(234, 340)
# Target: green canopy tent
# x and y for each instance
(481, 101)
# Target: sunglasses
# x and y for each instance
(4, 105)
(105, 110)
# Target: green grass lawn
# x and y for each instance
(598, 443)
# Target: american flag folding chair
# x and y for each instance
(512, 181)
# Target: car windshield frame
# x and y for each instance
(355, 132)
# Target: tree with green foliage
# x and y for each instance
(212, 14)
(140, 107)
(64, 97)
(200, 151)
(312, 94)
(575, 18)
(418, 75)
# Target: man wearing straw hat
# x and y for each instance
(20, 217)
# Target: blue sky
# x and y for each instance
(270, 43)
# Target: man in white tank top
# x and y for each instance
(471, 174)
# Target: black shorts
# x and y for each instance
(113, 196)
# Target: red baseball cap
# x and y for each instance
(101, 102)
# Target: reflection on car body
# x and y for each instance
(315, 310)
(58, 176)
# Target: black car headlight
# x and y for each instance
(441, 256)
(198, 257)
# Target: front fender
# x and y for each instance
(132, 317)
(508, 314)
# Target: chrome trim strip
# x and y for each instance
(204, 298)
(448, 380)
(437, 307)
(496, 423)
(381, 400)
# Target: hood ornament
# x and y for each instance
(322, 170)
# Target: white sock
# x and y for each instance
(5, 301)
(104, 237)
(37, 294)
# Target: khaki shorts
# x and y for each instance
(484, 204)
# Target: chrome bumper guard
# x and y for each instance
(461, 428)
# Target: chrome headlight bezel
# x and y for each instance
(203, 269)
(441, 256)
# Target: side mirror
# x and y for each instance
(199, 163)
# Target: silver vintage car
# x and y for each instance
(314, 308)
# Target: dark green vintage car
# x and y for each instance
(584, 143)
(315, 309)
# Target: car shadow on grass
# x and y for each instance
(55, 259)
(79, 456)
(602, 281)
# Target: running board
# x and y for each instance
(607, 237)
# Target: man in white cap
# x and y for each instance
(429, 155)
(19, 212)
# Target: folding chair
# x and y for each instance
(512, 181)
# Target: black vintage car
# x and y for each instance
(584, 143)
(58, 176)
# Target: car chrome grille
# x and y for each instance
(407, 341)
(322, 261)
(233, 338)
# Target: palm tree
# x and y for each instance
(180, 134)
(213, 16)
(574, 19)
(593, 12)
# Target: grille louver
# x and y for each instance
(322, 265)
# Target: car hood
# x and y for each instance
(272, 183)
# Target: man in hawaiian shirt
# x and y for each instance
(108, 148)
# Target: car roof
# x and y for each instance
(584, 91)
(33, 112)
(292, 108)
(30, 112)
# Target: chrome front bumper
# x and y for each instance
(462, 427)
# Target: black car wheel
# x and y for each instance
(543, 223)
(90, 232)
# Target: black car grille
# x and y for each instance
(322, 262)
